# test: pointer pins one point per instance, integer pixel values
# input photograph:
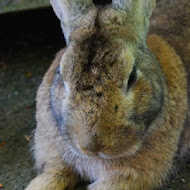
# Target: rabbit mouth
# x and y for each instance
(107, 153)
(121, 154)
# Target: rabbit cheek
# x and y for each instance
(148, 103)
(57, 94)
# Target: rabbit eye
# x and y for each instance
(132, 78)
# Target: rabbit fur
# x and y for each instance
(112, 106)
(171, 21)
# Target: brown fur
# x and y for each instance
(91, 126)
(171, 21)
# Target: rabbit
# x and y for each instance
(170, 21)
(112, 106)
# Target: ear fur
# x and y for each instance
(140, 12)
(68, 11)
(122, 4)
(140, 7)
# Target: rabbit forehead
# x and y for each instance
(97, 59)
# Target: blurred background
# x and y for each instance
(16, 5)
(30, 36)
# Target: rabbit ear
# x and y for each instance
(68, 10)
(122, 4)
(140, 11)
(137, 7)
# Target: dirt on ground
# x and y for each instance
(28, 43)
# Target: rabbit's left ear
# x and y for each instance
(140, 12)
(68, 11)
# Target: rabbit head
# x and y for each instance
(112, 86)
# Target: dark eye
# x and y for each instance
(132, 78)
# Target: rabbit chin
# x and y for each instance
(107, 154)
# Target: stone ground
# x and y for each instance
(28, 43)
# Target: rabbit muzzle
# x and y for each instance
(95, 130)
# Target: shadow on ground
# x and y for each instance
(29, 41)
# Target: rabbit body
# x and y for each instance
(111, 107)
(171, 21)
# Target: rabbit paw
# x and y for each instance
(49, 182)
(108, 185)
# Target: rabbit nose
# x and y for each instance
(91, 146)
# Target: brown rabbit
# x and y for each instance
(112, 106)
(171, 20)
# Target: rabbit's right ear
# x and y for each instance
(140, 11)
(68, 11)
